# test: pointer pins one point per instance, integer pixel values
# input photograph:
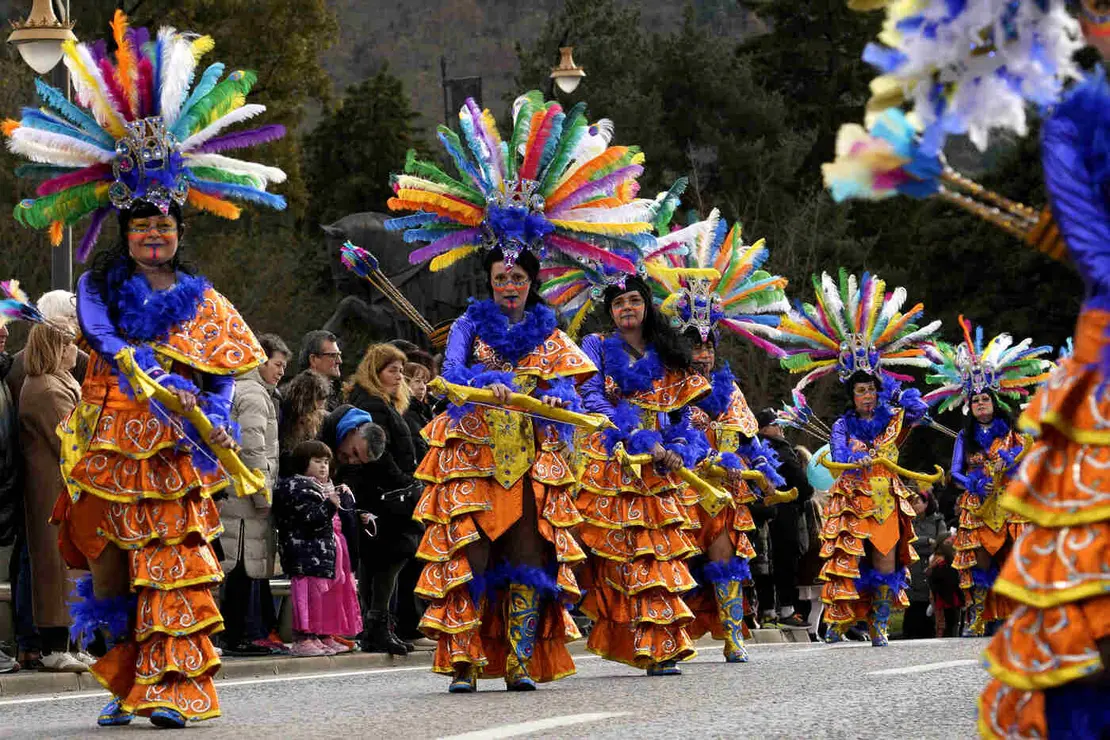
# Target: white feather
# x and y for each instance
(834, 305)
(236, 166)
(705, 240)
(634, 212)
(913, 337)
(48, 147)
(687, 236)
(853, 300)
(892, 306)
(588, 148)
(95, 96)
(236, 116)
(178, 66)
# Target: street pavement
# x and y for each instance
(912, 689)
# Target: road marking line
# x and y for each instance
(923, 668)
(539, 725)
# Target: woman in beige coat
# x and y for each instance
(48, 395)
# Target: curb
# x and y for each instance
(39, 683)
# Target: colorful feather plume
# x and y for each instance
(798, 415)
(549, 189)
(17, 306)
(99, 147)
(717, 279)
(854, 325)
(1009, 371)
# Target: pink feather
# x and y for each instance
(539, 141)
(589, 251)
(446, 244)
(71, 179)
(771, 349)
(115, 92)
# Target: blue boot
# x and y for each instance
(523, 623)
(879, 624)
(114, 715)
(730, 608)
(465, 680)
(665, 668)
(165, 718)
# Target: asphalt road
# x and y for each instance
(918, 689)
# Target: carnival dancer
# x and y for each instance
(139, 512)
(986, 454)
(497, 506)
(1049, 660)
(859, 331)
(720, 284)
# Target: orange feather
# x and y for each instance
(55, 233)
(582, 176)
(212, 204)
(8, 127)
(126, 64)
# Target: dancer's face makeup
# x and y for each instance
(866, 397)
(627, 310)
(704, 356)
(510, 286)
(152, 240)
(982, 408)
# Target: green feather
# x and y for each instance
(218, 102)
(68, 206)
(572, 135)
(218, 175)
(429, 171)
(521, 129)
(795, 363)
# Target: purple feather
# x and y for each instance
(446, 244)
(487, 140)
(242, 139)
(604, 185)
(88, 241)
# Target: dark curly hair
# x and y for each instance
(672, 347)
(112, 267)
(855, 379)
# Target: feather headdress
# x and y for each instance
(140, 131)
(17, 306)
(556, 188)
(574, 286)
(971, 67)
(719, 281)
(854, 326)
(1000, 367)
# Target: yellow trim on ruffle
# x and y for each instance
(634, 525)
(458, 513)
(1041, 600)
(536, 372)
(681, 555)
(140, 544)
(1058, 422)
(212, 714)
(1043, 680)
(204, 491)
(471, 626)
(150, 681)
(204, 367)
(159, 630)
(454, 476)
(175, 585)
(985, 731)
(613, 492)
(1054, 520)
(451, 554)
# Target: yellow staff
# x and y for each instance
(886, 463)
(711, 498)
(247, 480)
(461, 394)
(761, 482)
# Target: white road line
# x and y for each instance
(76, 695)
(539, 725)
(923, 668)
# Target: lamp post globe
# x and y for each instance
(40, 38)
(567, 75)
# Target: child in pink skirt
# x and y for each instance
(307, 511)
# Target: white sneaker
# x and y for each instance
(62, 663)
(84, 657)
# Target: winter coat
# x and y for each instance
(248, 534)
(15, 375)
(44, 402)
(788, 528)
(418, 416)
(11, 493)
(930, 529)
(302, 516)
(398, 535)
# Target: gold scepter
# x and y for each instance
(716, 472)
(461, 394)
(886, 463)
(247, 480)
(711, 498)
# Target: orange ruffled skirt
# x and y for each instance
(974, 533)
(462, 501)
(736, 522)
(130, 486)
(851, 521)
(636, 528)
(1058, 569)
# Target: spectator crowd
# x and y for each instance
(335, 522)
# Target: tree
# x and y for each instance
(354, 148)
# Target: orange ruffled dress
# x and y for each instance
(130, 484)
(478, 469)
(984, 523)
(636, 527)
(724, 434)
(1058, 571)
(867, 505)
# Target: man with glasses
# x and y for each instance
(320, 353)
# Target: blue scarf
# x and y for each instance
(511, 342)
(716, 403)
(631, 376)
(866, 430)
(986, 435)
(147, 315)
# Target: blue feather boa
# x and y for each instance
(88, 614)
(870, 579)
(503, 575)
(687, 442)
(148, 315)
(866, 430)
(627, 421)
(986, 435)
(637, 376)
(762, 457)
(734, 569)
(722, 383)
(511, 342)
(565, 390)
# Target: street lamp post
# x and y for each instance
(39, 40)
(568, 74)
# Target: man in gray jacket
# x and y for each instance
(248, 539)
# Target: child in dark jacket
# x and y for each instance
(314, 552)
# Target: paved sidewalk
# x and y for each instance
(37, 683)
